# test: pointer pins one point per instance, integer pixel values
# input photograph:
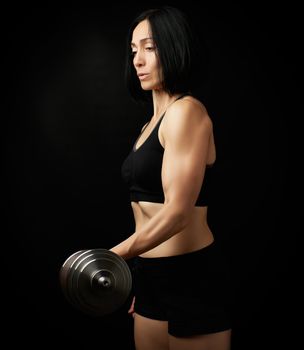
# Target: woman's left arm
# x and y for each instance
(186, 130)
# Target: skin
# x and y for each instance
(175, 226)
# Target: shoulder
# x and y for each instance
(188, 114)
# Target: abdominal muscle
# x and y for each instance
(195, 236)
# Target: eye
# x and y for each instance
(133, 53)
(150, 48)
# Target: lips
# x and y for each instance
(142, 76)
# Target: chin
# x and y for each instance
(146, 86)
(146, 89)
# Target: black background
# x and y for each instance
(70, 123)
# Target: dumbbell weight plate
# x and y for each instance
(96, 281)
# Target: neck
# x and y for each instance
(161, 101)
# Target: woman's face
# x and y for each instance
(145, 58)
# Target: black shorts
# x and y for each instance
(191, 291)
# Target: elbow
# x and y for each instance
(181, 217)
(183, 220)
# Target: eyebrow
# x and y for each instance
(144, 39)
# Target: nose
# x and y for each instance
(139, 59)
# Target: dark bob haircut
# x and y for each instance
(176, 49)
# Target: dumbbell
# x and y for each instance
(96, 281)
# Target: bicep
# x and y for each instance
(185, 156)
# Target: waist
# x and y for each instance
(194, 236)
(172, 260)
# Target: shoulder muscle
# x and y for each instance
(186, 122)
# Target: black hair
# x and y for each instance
(176, 45)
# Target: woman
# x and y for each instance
(179, 277)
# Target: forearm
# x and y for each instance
(165, 224)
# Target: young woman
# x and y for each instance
(180, 280)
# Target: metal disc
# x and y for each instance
(66, 269)
(97, 281)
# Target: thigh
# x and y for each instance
(212, 341)
(150, 334)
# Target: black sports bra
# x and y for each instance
(141, 170)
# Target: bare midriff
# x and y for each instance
(196, 235)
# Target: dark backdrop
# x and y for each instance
(70, 123)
